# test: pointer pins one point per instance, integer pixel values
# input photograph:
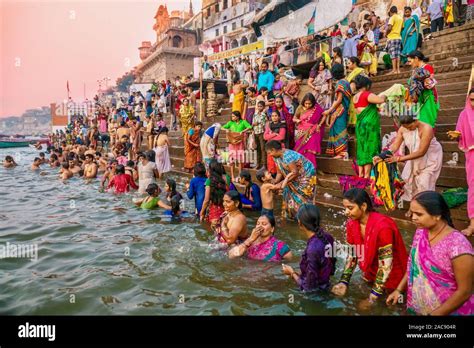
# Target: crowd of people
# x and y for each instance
(127, 145)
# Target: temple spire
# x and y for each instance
(191, 12)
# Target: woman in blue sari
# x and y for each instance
(338, 115)
(410, 34)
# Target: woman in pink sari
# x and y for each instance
(262, 244)
(465, 134)
(309, 135)
(102, 123)
(440, 265)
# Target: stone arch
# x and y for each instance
(244, 41)
(177, 41)
(234, 44)
(253, 38)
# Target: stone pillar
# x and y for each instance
(211, 101)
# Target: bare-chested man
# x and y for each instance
(65, 172)
(90, 167)
(36, 164)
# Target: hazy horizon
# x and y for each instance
(44, 44)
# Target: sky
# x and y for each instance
(44, 44)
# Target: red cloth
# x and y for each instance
(122, 183)
(379, 232)
(363, 100)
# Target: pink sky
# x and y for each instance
(45, 43)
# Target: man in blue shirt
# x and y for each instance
(350, 44)
(265, 77)
(436, 16)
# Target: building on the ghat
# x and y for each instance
(224, 23)
(175, 48)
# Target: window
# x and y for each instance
(225, 29)
(217, 32)
(244, 41)
(217, 8)
(234, 44)
(208, 12)
(225, 4)
(242, 23)
(234, 26)
(177, 41)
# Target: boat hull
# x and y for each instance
(8, 144)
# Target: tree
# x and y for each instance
(123, 83)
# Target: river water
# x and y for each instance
(100, 255)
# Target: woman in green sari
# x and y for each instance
(367, 126)
(410, 34)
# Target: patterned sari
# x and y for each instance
(368, 138)
(192, 154)
(431, 279)
(307, 139)
(186, 117)
(301, 189)
(272, 250)
(338, 137)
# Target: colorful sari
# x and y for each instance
(382, 241)
(465, 125)
(338, 136)
(321, 80)
(428, 108)
(307, 139)
(192, 154)
(250, 111)
(431, 280)
(272, 250)
(301, 189)
(186, 116)
(369, 142)
(410, 34)
(290, 126)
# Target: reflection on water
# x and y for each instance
(99, 254)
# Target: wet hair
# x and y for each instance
(406, 118)
(54, 157)
(362, 81)
(218, 184)
(435, 204)
(261, 174)
(337, 71)
(418, 54)
(310, 217)
(176, 203)
(37, 159)
(261, 103)
(41, 154)
(355, 60)
(237, 113)
(130, 164)
(120, 169)
(235, 196)
(152, 189)
(199, 170)
(273, 145)
(65, 165)
(359, 197)
(310, 97)
(270, 218)
(172, 185)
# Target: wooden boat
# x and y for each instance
(7, 143)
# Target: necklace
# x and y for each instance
(436, 235)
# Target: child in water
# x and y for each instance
(43, 158)
(9, 162)
(266, 191)
(121, 182)
(153, 200)
(175, 198)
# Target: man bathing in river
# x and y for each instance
(90, 167)
(36, 164)
(65, 173)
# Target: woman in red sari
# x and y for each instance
(379, 248)
(192, 147)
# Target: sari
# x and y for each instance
(301, 189)
(192, 154)
(238, 103)
(368, 138)
(307, 139)
(162, 159)
(321, 80)
(272, 250)
(338, 136)
(290, 126)
(381, 231)
(431, 280)
(186, 116)
(352, 114)
(250, 111)
(428, 108)
(465, 125)
(410, 35)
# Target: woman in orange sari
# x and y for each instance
(192, 150)
(377, 246)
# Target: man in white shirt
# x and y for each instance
(209, 74)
